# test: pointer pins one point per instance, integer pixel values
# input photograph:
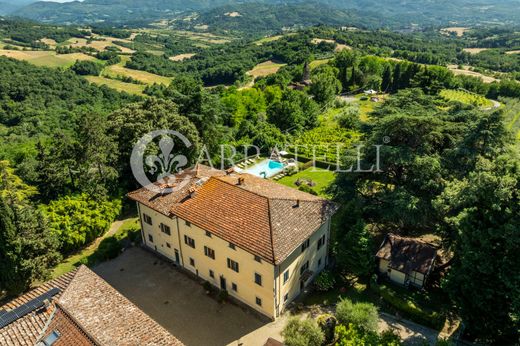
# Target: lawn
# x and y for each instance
(90, 251)
(322, 177)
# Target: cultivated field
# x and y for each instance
(182, 57)
(339, 46)
(458, 30)
(45, 57)
(117, 85)
(465, 71)
(265, 69)
(474, 50)
(101, 43)
(142, 76)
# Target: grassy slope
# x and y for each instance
(75, 260)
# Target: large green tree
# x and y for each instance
(482, 215)
(132, 122)
(27, 249)
(325, 86)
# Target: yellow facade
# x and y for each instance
(288, 290)
(270, 294)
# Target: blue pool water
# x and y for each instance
(270, 167)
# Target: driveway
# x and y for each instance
(176, 301)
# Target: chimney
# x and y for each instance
(297, 205)
(240, 181)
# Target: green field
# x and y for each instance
(321, 177)
(136, 89)
(46, 58)
(466, 98)
(142, 76)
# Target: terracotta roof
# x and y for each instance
(261, 216)
(407, 254)
(86, 311)
(108, 316)
(26, 330)
(188, 179)
(70, 333)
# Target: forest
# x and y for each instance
(451, 166)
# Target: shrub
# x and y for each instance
(327, 323)
(349, 118)
(85, 67)
(302, 333)
(109, 248)
(325, 281)
(207, 286)
(308, 189)
(363, 315)
(409, 309)
(222, 296)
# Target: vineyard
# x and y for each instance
(466, 97)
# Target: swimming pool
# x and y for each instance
(269, 167)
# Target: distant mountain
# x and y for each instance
(10, 6)
(113, 11)
(392, 13)
(256, 18)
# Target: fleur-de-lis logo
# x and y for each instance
(162, 165)
(165, 163)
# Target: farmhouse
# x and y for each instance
(260, 241)
(406, 261)
(78, 308)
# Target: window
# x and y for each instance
(187, 223)
(305, 245)
(209, 252)
(304, 267)
(208, 234)
(286, 297)
(211, 274)
(258, 259)
(319, 262)
(51, 338)
(150, 238)
(165, 229)
(147, 219)
(192, 262)
(232, 246)
(258, 279)
(234, 287)
(258, 301)
(232, 265)
(168, 245)
(189, 241)
(321, 242)
(286, 276)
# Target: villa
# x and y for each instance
(260, 241)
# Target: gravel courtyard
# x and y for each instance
(176, 301)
